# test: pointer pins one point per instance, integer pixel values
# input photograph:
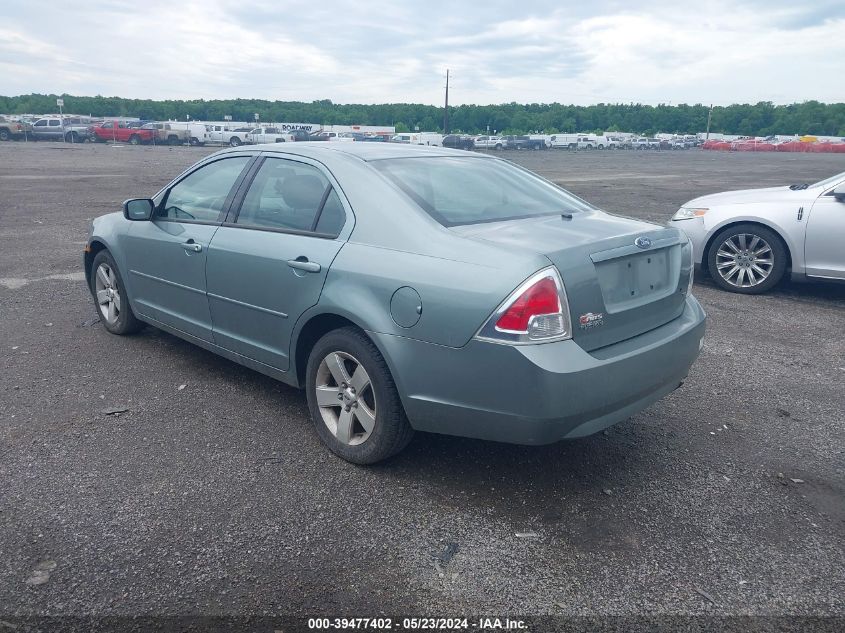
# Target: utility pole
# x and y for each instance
(446, 110)
(709, 115)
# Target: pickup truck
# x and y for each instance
(13, 130)
(171, 133)
(70, 129)
(122, 132)
(524, 142)
(222, 134)
(267, 135)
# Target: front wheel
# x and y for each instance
(353, 400)
(134, 140)
(234, 141)
(110, 296)
(747, 258)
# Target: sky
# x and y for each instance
(377, 51)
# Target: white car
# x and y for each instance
(261, 135)
(746, 240)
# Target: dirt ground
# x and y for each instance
(725, 498)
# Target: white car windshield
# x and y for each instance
(827, 182)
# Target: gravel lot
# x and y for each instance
(726, 498)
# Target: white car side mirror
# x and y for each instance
(839, 192)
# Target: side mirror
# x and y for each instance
(839, 193)
(138, 209)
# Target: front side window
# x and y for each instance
(287, 195)
(465, 190)
(55, 123)
(202, 194)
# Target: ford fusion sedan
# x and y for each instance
(747, 240)
(407, 288)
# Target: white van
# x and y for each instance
(567, 141)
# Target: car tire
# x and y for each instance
(110, 298)
(342, 354)
(234, 141)
(736, 268)
(5, 135)
(134, 140)
(194, 142)
(72, 137)
(173, 140)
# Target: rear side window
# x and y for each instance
(286, 195)
(202, 194)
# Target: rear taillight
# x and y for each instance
(536, 312)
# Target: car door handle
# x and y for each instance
(302, 263)
(192, 246)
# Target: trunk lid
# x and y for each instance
(616, 288)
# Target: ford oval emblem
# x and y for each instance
(642, 242)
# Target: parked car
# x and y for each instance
(121, 132)
(544, 139)
(490, 142)
(561, 141)
(54, 128)
(458, 141)
(170, 133)
(348, 137)
(523, 142)
(267, 135)
(747, 240)
(299, 135)
(14, 130)
(640, 143)
(407, 288)
(226, 135)
(418, 138)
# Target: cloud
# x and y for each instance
(498, 51)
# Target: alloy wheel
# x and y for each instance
(346, 398)
(108, 293)
(744, 260)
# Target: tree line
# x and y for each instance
(760, 119)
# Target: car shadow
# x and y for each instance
(788, 289)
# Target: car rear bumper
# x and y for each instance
(539, 394)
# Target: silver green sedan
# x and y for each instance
(407, 288)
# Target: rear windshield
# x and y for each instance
(468, 190)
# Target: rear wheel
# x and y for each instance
(353, 400)
(747, 258)
(134, 140)
(72, 137)
(5, 135)
(110, 297)
(173, 140)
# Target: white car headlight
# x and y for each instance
(688, 213)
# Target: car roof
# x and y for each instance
(363, 151)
